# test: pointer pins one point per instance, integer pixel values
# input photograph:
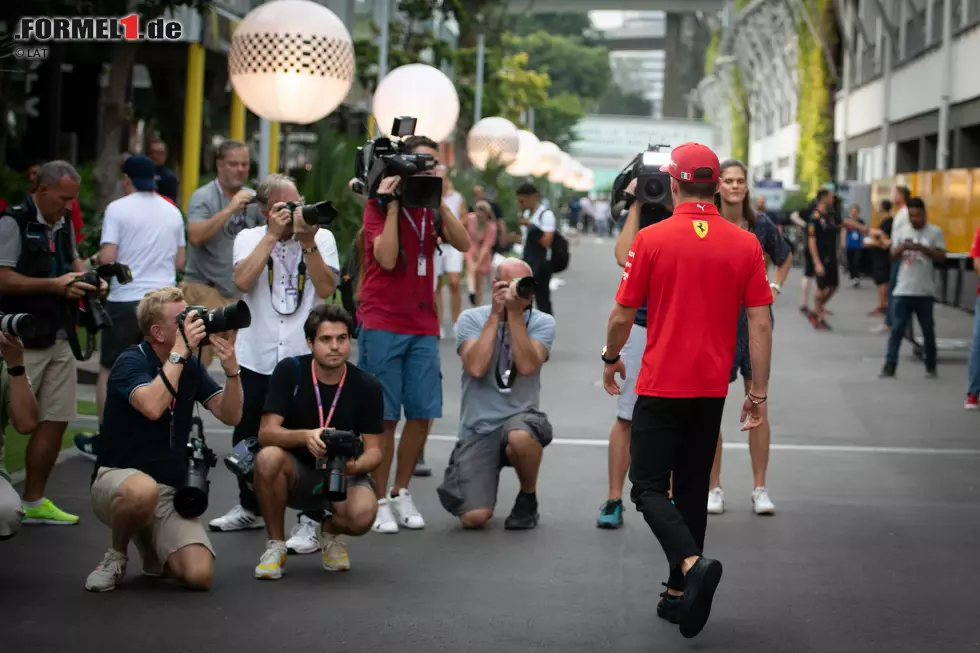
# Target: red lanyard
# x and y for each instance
(319, 402)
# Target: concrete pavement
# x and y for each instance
(872, 547)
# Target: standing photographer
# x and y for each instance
(319, 405)
(399, 337)
(18, 408)
(143, 454)
(39, 270)
(541, 226)
(275, 266)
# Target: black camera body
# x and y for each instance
(241, 460)
(191, 500)
(92, 314)
(652, 185)
(229, 317)
(18, 324)
(321, 213)
(342, 447)
(386, 157)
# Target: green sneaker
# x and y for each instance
(47, 513)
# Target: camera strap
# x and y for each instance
(336, 396)
(300, 281)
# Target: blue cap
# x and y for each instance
(141, 172)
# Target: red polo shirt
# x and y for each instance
(694, 271)
(975, 254)
(400, 300)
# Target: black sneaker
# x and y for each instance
(887, 372)
(524, 515)
(931, 373)
(700, 584)
(421, 469)
(670, 607)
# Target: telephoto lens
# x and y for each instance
(525, 287)
(18, 324)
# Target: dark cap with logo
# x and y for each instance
(141, 171)
(693, 163)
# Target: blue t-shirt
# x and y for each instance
(855, 239)
(128, 439)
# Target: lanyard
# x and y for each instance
(336, 397)
(300, 278)
(419, 233)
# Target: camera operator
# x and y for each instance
(18, 408)
(39, 270)
(309, 397)
(541, 225)
(274, 265)
(399, 338)
(216, 213)
(142, 456)
(503, 347)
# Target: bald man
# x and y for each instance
(503, 347)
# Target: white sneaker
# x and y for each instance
(333, 552)
(406, 512)
(384, 520)
(110, 571)
(237, 519)
(302, 539)
(272, 564)
(716, 501)
(761, 502)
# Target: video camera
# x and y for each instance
(342, 446)
(191, 500)
(17, 324)
(229, 317)
(386, 157)
(90, 313)
(652, 185)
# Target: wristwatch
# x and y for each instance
(609, 361)
(16, 370)
(309, 250)
(176, 358)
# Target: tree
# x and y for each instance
(575, 25)
(573, 67)
(617, 101)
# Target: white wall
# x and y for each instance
(915, 89)
(782, 144)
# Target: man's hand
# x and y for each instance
(305, 233)
(609, 381)
(241, 199)
(12, 350)
(279, 218)
(513, 302)
(69, 288)
(499, 299)
(193, 331)
(753, 414)
(388, 185)
(314, 444)
(226, 354)
(103, 287)
(775, 293)
(818, 268)
(631, 187)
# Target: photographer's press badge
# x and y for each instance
(700, 228)
(421, 268)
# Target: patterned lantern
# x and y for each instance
(492, 139)
(528, 151)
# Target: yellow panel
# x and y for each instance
(952, 200)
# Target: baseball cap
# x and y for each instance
(694, 163)
(141, 171)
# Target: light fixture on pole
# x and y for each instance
(528, 153)
(549, 157)
(492, 139)
(558, 172)
(291, 61)
(419, 91)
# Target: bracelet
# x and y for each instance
(232, 376)
(757, 400)
(309, 250)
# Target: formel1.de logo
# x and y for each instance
(44, 29)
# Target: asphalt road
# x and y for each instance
(873, 547)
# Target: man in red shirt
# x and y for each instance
(399, 338)
(973, 391)
(694, 271)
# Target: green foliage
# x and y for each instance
(815, 111)
(573, 66)
(575, 25)
(740, 120)
(712, 52)
(616, 101)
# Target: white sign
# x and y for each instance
(625, 136)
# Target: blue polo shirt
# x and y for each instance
(128, 439)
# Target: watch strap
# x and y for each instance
(17, 370)
(310, 250)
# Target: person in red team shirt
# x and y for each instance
(399, 338)
(694, 271)
(973, 391)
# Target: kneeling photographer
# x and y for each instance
(321, 439)
(150, 482)
(18, 408)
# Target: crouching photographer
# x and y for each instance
(18, 408)
(321, 439)
(150, 482)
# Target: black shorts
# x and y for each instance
(808, 270)
(307, 493)
(831, 276)
(881, 268)
(125, 331)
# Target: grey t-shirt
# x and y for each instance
(211, 263)
(915, 270)
(483, 406)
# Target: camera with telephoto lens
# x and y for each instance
(17, 324)
(525, 287)
(321, 213)
(92, 315)
(229, 317)
(652, 185)
(387, 157)
(241, 460)
(342, 447)
(191, 500)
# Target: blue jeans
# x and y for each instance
(902, 310)
(891, 289)
(974, 388)
(407, 366)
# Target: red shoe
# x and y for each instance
(972, 402)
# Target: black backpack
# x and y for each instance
(559, 252)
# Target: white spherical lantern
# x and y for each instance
(549, 158)
(291, 61)
(492, 139)
(418, 91)
(558, 173)
(528, 151)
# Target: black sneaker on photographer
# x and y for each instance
(524, 515)
(669, 607)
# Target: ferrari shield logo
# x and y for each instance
(700, 228)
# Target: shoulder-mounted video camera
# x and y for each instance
(90, 313)
(387, 157)
(652, 185)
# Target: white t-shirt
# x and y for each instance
(147, 230)
(276, 332)
(901, 222)
(456, 203)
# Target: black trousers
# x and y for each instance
(676, 436)
(254, 387)
(855, 257)
(542, 292)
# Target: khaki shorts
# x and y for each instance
(54, 381)
(170, 532)
(199, 294)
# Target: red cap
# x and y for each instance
(693, 162)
